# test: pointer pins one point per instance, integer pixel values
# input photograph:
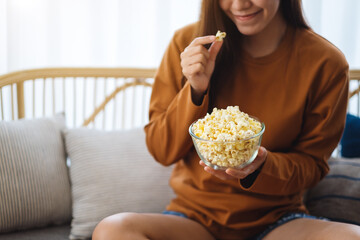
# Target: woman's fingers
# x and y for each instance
(242, 173)
(218, 173)
(203, 40)
(194, 50)
(196, 64)
(214, 50)
(194, 69)
(196, 47)
(196, 58)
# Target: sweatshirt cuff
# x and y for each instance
(262, 181)
(204, 104)
(187, 111)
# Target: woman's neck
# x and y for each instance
(267, 41)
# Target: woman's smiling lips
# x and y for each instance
(246, 17)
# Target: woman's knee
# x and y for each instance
(118, 226)
(337, 230)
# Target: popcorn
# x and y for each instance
(220, 35)
(230, 133)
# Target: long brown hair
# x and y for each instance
(213, 18)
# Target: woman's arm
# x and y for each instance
(171, 107)
(284, 173)
(179, 95)
(305, 164)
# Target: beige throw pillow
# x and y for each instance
(112, 172)
(34, 179)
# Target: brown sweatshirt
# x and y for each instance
(299, 91)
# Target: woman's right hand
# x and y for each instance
(198, 63)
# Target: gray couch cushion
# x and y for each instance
(337, 196)
(49, 233)
(34, 180)
(112, 172)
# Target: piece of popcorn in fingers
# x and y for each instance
(220, 35)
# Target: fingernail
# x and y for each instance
(261, 150)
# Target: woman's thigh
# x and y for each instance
(149, 226)
(314, 229)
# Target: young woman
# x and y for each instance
(274, 67)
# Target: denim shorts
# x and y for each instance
(284, 219)
(179, 214)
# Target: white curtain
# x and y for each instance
(44, 33)
(339, 22)
(126, 33)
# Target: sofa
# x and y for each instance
(61, 171)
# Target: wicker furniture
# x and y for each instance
(58, 84)
(82, 93)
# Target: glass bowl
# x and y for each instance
(221, 155)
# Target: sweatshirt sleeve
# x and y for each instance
(171, 108)
(286, 173)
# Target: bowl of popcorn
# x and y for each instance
(227, 138)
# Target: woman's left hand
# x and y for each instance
(242, 173)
